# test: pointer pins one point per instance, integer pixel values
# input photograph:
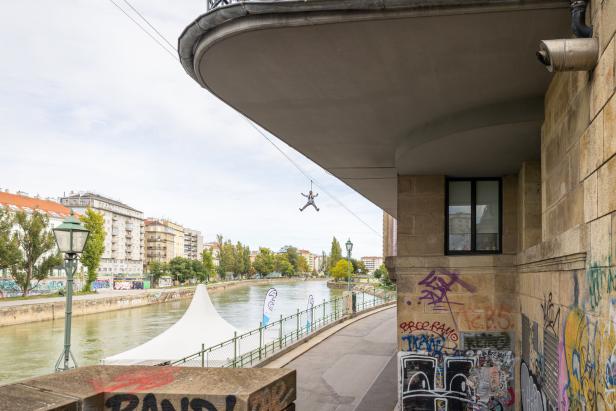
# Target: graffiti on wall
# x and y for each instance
(9, 288)
(128, 285)
(101, 284)
(478, 380)
(551, 314)
(437, 285)
(489, 317)
(429, 336)
(588, 354)
(601, 281)
(500, 341)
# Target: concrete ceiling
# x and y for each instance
(376, 94)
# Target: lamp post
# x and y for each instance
(71, 237)
(349, 248)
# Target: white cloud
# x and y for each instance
(89, 102)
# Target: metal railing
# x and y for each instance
(212, 4)
(254, 346)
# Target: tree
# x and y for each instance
(340, 270)
(292, 256)
(264, 261)
(157, 270)
(36, 250)
(247, 262)
(335, 254)
(208, 264)
(93, 251)
(380, 272)
(283, 265)
(302, 265)
(181, 268)
(358, 266)
(198, 270)
(9, 248)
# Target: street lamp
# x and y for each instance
(349, 248)
(71, 237)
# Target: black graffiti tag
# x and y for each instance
(130, 402)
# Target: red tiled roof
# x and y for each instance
(22, 202)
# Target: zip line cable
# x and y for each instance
(151, 26)
(249, 121)
(174, 56)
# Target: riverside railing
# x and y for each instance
(254, 346)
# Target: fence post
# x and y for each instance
(260, 337)
(202, 355)
(235, 349)
(335, 309)
(280, 334)
(312, 316)
(297, 329)
(363, 304)
(323, 322)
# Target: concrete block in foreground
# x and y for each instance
(127, 388)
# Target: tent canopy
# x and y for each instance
(200, 324)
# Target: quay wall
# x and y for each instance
(12, 314)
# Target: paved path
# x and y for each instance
(354, 369)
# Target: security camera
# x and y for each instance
(569, 54)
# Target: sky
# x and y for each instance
(88, 102)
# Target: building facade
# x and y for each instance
(193, 244)
(372, 263)
(20, 201)
(164, 240)
(124, 242)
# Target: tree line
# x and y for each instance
(28, 248)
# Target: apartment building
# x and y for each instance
(372, 263)
(20, 201)
(193, 244)
(164, 240)
(124, 241)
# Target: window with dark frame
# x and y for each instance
(474, 216)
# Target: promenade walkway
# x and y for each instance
(353, 369)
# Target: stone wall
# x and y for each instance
(455, 310)
(568, 281)
(553, 290)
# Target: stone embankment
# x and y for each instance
(372, 289)
(25, 311)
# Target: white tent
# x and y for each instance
(200, 324)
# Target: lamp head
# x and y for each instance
(71, 236)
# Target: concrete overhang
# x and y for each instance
(374, 89)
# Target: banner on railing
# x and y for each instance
(268, 305)
(309, 313)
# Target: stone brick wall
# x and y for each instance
(568, 282)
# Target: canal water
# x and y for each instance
(29, 350)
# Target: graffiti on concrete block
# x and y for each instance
(425, 343)
(437, 285)
(132, 402)
(478, 380)
(500, 341)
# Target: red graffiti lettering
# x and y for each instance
(435, 327)
(136, 381)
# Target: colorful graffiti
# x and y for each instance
(588, 352)
(9, 288)
(436, 286)
(101, 284)
(477, 380)
(128, 285)
(436, 327)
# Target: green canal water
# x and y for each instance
(29, 350)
